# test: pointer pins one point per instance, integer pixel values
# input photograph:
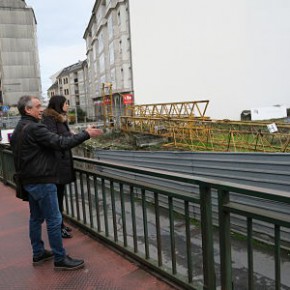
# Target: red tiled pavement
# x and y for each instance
(104, 270)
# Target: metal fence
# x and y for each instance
(9, 122)
(269, 171)
(125, 212)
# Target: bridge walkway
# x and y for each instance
(105, 269)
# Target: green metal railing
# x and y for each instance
(126, 213)
(6, 164)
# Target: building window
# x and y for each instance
(66, 92)
(128, 44)
(119, 18)
(99, 16)
(95, 67)
(95, 51)
(102, 63)
(113, 77)
(130, 73)
(110, 27)
(101, 43)
(120, 46)
(122, 74)
(111, 53)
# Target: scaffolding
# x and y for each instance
(107, 104)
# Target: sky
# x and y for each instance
(60, 29)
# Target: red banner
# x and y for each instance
(107, 101)
(128, 99)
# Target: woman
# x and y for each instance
(55, 118)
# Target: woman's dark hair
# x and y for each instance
(56, 103)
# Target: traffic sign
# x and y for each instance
(5, 108)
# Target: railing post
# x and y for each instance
(207, 237)
(225, 241)
(3, 167)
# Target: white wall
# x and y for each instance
(234, 53)
(267, 113)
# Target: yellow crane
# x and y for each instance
(186, 125)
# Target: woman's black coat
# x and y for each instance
(57, 123)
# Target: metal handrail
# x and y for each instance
(140, 219)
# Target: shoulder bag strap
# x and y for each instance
(20, 143)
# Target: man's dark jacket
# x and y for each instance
(38, 147)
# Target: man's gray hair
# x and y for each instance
(25, 102)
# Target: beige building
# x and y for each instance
(72, 83)
(19, 60)
(107, 39)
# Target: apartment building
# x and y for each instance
(108, 47)
(19, 60)
(72, 83)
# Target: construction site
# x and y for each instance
(179, 126)
(186, 126)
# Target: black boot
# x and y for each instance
(68, 229)
(69, 264)
(65, 234)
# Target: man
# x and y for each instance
(38, 168)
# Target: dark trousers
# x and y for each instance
(60, 197)
(43, 206)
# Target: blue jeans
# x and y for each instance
(43, 205)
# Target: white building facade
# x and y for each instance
(108, 46)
